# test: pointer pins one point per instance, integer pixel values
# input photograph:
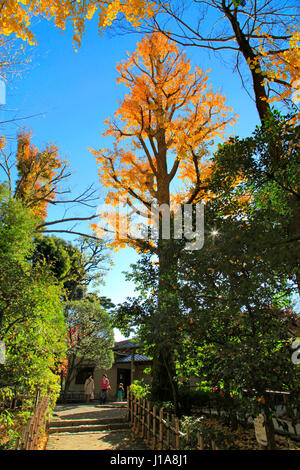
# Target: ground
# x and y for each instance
(242, 438)
(121, 439)
(110, 440)
(95, 440)
(90, 411)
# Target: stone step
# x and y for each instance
(88, 427)
(78, 422)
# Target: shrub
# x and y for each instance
(193, 398)
(140, 389)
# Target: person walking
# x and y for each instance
(105, 386)
(89, 387)
(120, 393)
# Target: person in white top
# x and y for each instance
(89, 387)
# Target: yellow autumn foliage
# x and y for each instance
(16, 15)
(161, 131)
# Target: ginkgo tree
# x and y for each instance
(39, 174)
(161, 134)
(37, 177)
(16, 15)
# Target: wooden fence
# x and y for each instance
(160, 430)
(31, 432)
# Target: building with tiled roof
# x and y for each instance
(129, 365)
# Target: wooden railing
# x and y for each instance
(31, 434)
(160, 430)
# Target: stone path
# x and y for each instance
(75, 415)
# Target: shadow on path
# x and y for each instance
(117, 439)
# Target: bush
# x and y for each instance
(210, 430)
(140, 389)
(193, 398)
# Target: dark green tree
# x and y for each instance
(265, 169)
(32, 324)
(90, 334)
(76, 265)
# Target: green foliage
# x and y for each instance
(259, 176)
(65, 262)
(90, 331)
(75, 265)
(209, 431)
(16, 229)
(32, 324)
(190, 398)
(90, 335)
(140, 389)
(235, 319)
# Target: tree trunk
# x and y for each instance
(260, 94)
(69, 377)
(269, 425)
(164, 383)
(294, 234)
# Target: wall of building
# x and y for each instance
(112, 375)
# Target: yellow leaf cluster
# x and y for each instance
(37, 172)
(280, 68)
(16, 15)
(162, 128)
(2, 142)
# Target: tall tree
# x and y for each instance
(39, 175)
(261, 40)
(239, 314)
(266, 166)
(40, 182)
(32, 323)
(90, 335)
(76, 265)
(168, 118)
(236, 321)
(260, 37)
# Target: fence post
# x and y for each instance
(37, 396)
(128, 405)
(30, 437)
(139, 419)
(31, 432)
(161, 429)
(200, 441)
(134, 412)
(39, 421)
(168, 431)
(143, 418)
(154, 427)
(187, 435)
(148, 422)
(177, 434)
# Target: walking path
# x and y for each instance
(91, 427)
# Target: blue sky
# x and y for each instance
(76, 91)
